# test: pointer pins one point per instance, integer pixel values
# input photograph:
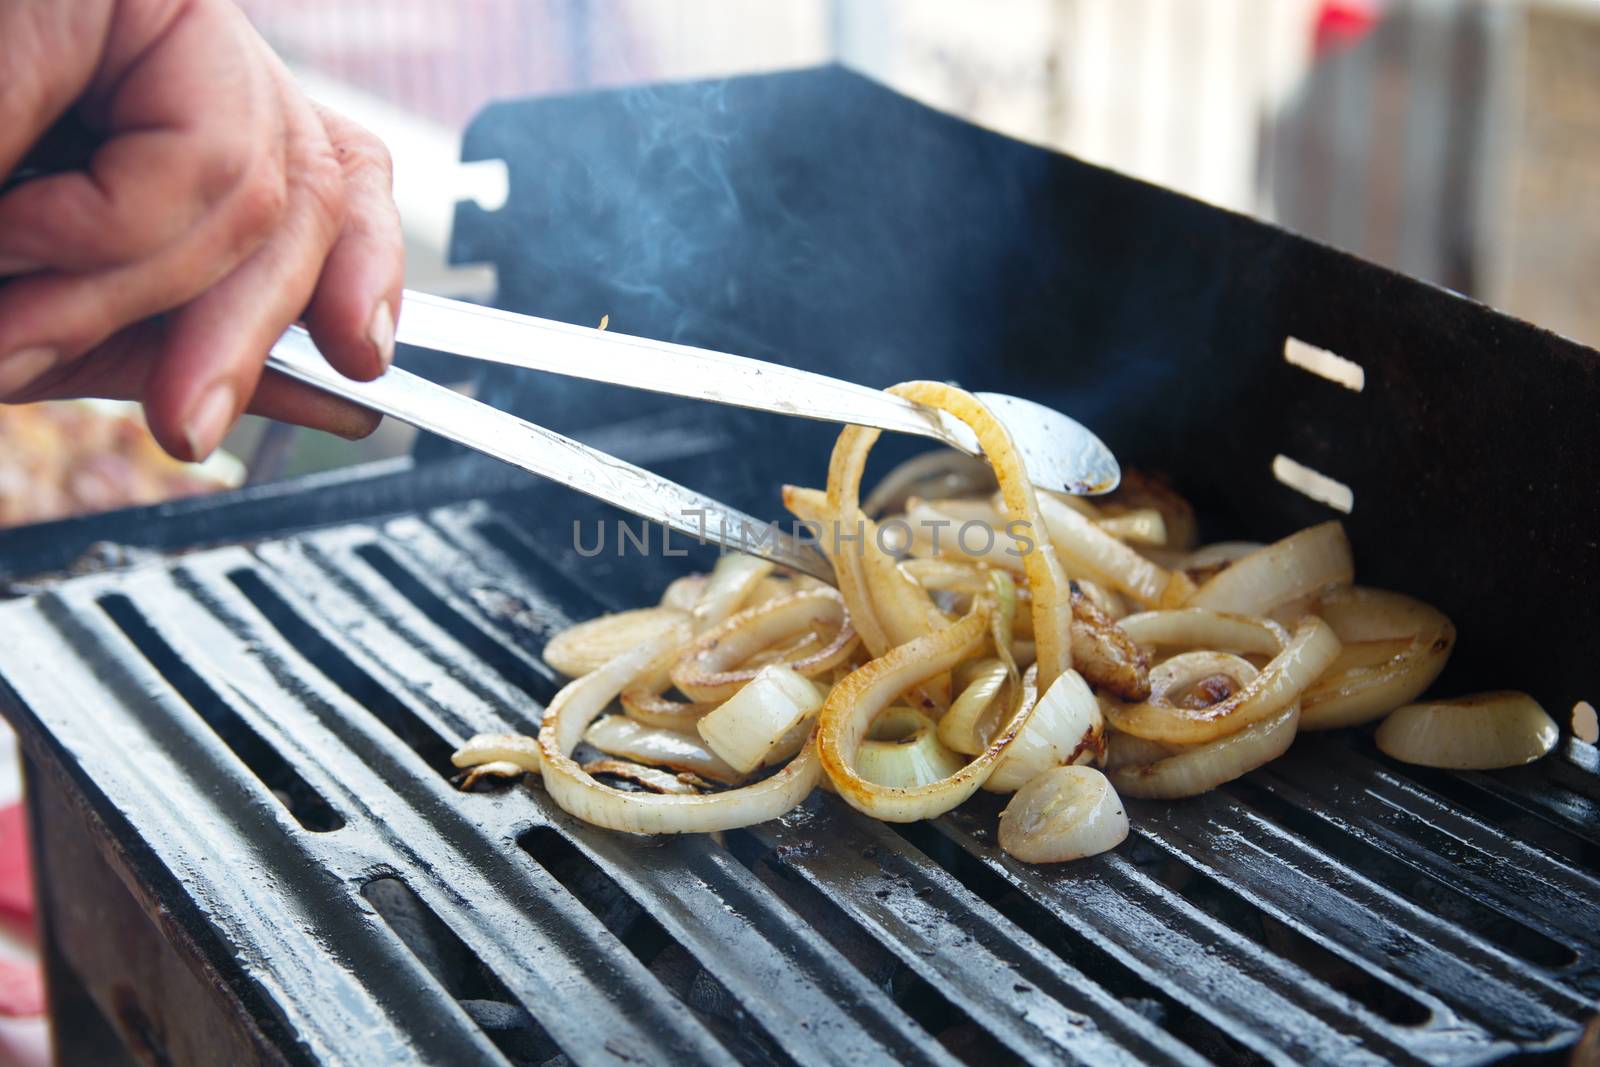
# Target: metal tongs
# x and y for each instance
(1059, 453)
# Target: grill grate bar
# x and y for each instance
(1559, 813)
(304, 801)
(778, 968)
(333, 571)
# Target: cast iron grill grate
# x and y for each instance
(272, 728)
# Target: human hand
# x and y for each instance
(221, 207)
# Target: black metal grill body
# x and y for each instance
(252, 851)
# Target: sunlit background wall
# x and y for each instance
(1455, 140)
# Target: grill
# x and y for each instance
(237, 749)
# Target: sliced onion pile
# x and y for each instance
(988, 636)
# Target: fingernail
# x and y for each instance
(22, 369)
(381, 334)
(209, 420)
(13, 265)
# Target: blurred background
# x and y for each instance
(1454, 140)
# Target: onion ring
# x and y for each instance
(856, 701)
(904, 750)
(1309, 651)
(708, 672)
(1047, 582)
(1195, 769)
(1198, 628)
(1364, 683)
(869, 578)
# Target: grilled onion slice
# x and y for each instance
(904, 751)
(1104, 653)
(652, 778)
(579, 794)
(1190, 770)
(1066, 727)
(940, 473)
(732, 580)
(776, 706)
(646, 703)
(517, 749)
(1139, 490)
(1306, 655)
(709, 671)
(1482, 732)
(1047, 582)
(889, 608)
(974, 714)
(1218, 555)
(1065, 813)
(493, 769)
(618, 735)
(1300, 565)
(857, 700)
(684, 593)
(1090, 552)
(1200, 629)
(588, 645)
(1394, 647)
(1137, 526)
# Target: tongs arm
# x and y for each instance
(421, 403)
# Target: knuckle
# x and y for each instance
(366, 153)
(224, 162)
(323, 180)
(262, 198)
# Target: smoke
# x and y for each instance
(817, 219)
